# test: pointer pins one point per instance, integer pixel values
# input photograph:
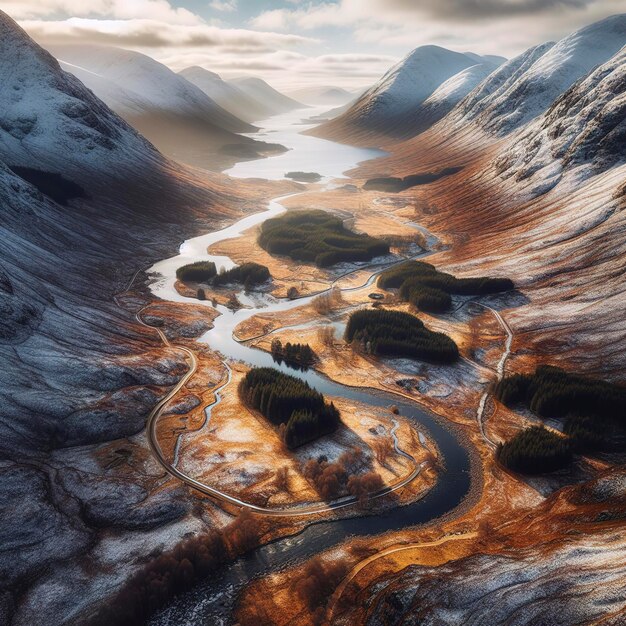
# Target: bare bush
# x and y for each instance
(326, 335)
(281, 480)
(177, 570)
(382, 449)
(364, 485)
(331, 479)
(318, 581)
(327, 302)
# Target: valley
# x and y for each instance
(270, 362)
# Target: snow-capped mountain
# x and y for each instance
(392, 106)
(52, 121)
(526, 86)
(586, 125)
(265, 94)
(227, 95)
(321, 94)
(146, 80)
(177, 116)
(85, 201)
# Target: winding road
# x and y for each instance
(170, 468)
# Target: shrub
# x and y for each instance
(317, 237)
(534, 451)
(393, 333)
(289, 401)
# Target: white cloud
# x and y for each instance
(115, 9)
(224, 5)
(149, 33)
(496, 26)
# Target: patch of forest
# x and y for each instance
(535, 450)
(395, 185)
(300, 412)
(398, 334)
(248, 274)
(317, 237)
(298, 355)
(430, 290)
(594, 411)
(53, 185)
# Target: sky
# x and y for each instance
(297, 43)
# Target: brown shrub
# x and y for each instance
(281, 480)
(320, 577)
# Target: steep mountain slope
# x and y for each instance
(391, 106)
(178, 117)
(585, 126)
(265, 94)
(527, 85)
(227, 95)
(80, 495)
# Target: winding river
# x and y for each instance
(212, 601)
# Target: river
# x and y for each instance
(212, 601)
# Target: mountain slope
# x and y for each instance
(391, 106)
(80, 375)
(178, 117)
(526, 86)
(227, 95)
(266, 95)
(585, 126)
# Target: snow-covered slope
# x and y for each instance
(227, 95)
(391, 106)
(585, 126)
(51, 121)
(177, 116)
(526, 86)
(322, 95)
(138, 74)
(78, 374)
(265, 94)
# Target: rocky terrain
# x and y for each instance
(81, 494)
(537, 574)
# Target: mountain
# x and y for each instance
(323, 95)
(585, 126)
(526, 86)
(227, 95)
(85, 202)
(265, 94)
(391, 106)
(178, 117)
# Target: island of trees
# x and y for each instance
(318, 237)
(301, 413)
(394, 333)
(593, 412)
(247, 274)
(429, 290)
(534, 451)
(298, 355)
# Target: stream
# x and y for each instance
(212, 601)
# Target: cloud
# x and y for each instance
(149, 33)
(224, 5)
(159, 10)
